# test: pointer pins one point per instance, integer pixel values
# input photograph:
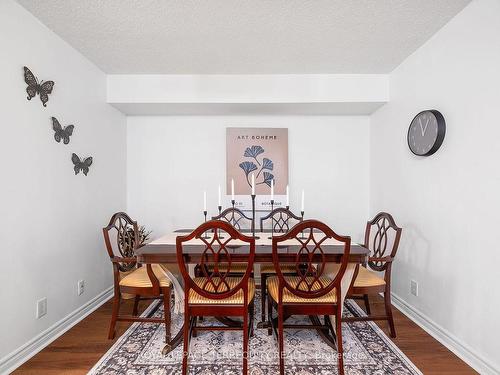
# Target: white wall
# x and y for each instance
(448, 204)
(51, 220)
(171, 160)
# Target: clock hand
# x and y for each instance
(421, 126)
(427, 123)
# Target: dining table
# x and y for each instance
(163, 251)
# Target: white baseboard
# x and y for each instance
(462, 350)
(15, 359)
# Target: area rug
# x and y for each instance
(367, 350)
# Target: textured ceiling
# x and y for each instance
(243, 36)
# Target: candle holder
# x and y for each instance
(287, 207)
(272, 219)
(302, 237)
(253, 214)
(219, 207)
(205, 214)
(232, 202)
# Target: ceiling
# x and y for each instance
(243, 36)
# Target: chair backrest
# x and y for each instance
(121, 237)
(281, 220)
(216, 238)
(236, 218)
(311, 241)
(382, 237)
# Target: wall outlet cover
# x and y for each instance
(41, 307)
(81, 287)
(414, 288)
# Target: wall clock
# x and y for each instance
(426, 132)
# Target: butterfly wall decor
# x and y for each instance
(34, 87)
(60, 132)
(80, 165)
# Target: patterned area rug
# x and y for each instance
(367, 351)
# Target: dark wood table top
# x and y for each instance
(167, 253)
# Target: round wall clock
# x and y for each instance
(426, 132)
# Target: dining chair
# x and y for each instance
(382, 237)
(280, 221)
(217, 293)
(310, 292)
(241, 222)
(121, 237)
(236, 218)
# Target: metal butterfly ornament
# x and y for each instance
(34, 87)
(81, 165)
(60, 133)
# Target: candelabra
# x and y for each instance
(220, 209)
(302, 237)
(205, 214)
(272, 219)
(253, 215)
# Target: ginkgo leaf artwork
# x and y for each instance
(267, 164)
(248, 167)
(253, 152)
(259, 155)
(268, 177)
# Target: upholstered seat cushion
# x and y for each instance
(139, 278)
(289, 297)
(235, 299)
(235, 268)
(367, 278)
(285, 268)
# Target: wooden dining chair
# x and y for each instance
(310, 292)
(280, 221)
(240, 222)
(217, 293)
(236, 218)
(149, 282)
(382, 237)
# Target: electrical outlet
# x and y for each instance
(81, 287)
(414, 288)
(41, 307)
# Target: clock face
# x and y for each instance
(426, 133)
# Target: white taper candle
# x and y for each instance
(232, 189)
(219, 201)
(204, 201)
(302, 203)
(272, 189)
(287, 197)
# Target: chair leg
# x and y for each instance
(263, 294)
(166, 310)
(281, 345)
(114, 315)
(388, 312)
(245, 342)
(252, 317)
(185, 352)
(340, 353)
(367, 304)
(269, 316)
(135, 311)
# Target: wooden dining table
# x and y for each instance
(163, 251)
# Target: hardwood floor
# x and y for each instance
(80, 348)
